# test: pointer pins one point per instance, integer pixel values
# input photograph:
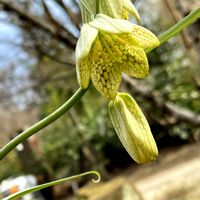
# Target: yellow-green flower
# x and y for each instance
(108, 47)
(132, 128)
(121, 9)
(118, 9)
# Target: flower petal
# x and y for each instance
(135, 62)
(144, 37)
(83, 72)
(118, 9)
(110, 25)
(87, 37)
(84, 45)
(110, 8)
(106, 78)
(132, 128)
(128, 5)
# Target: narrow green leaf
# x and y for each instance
(40, 187)
(182, 24)
(177, 28)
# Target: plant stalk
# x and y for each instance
(43, 123)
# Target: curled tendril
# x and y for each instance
(39, 187)
(98, 177)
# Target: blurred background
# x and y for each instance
(37, 75)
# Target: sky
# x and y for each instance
(11, 36)
(12, 53)
(10, 40)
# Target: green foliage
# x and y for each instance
(87, 121)
(10, 166)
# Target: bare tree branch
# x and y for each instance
(51, 77)
(54, 58)
(75, 17)
(176, 17)
(56, 23)
(40, 22)
(75, 3)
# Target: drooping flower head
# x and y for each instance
(107, 48)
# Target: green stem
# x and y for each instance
(177, 28)
(43, 123)
(40, 187)
(182, 24)
(97, 6)
(174, 30)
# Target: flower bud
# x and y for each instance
(132, 128)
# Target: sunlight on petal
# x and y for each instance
(83, 73)
(106, 79)
(135, 62)
(145, 38)
(110, 25)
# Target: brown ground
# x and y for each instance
(174, 176)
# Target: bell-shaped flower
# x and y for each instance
(108, 47)
(132, 128)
